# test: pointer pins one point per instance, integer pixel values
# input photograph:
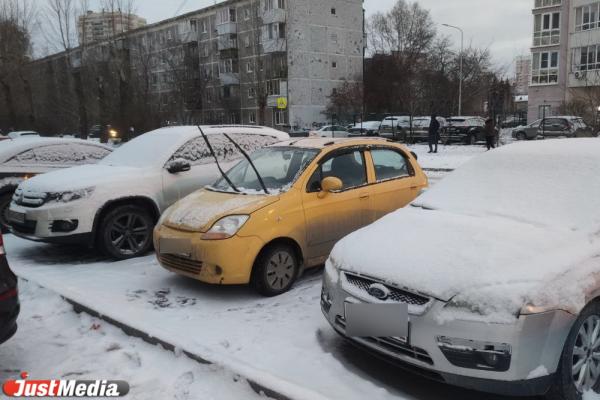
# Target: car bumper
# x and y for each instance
(535, 341)
(220, 262)
(40, 223)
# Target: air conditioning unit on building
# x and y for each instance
(580, 75)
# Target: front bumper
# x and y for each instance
(220, 262)
(39, 222)
(535, 340)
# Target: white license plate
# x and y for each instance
(377, 320)
(182, 247)
(14, 216)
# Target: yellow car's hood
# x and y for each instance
(200, 210)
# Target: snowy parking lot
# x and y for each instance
(282, 343)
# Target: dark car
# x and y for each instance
(565, 126)
(467, 130)
(9, 300)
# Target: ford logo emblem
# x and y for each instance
(379, 291)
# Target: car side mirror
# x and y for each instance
(329, 185)
(177, 166)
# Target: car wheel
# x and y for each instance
(473, 139)
(275, 271)
(521, 136)
(579, 367)
(126, 232)
(5, 201)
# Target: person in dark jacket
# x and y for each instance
(434, 134)
(490, 134)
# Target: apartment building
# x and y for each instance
(522, 75)
(268, 62)
(99, 26)
(565, 56)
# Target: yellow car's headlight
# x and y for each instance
(226, 227)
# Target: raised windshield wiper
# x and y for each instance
(217, 161)
(260, 179)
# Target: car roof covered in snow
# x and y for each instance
(10, 148)
(191, 131)
(546, 183)
(321, 143)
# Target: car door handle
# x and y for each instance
(364, 196)
(414, 187)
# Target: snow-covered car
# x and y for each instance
(22, 134)
(494, 279)
(331, 131)
(9, 299)
(115, 204)
(553, 127)
(467, 130)
(24, 158)
(366, 128)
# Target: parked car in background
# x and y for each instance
(30, 156)
(561, 126)
(367, 128)
(420, 130)
(22, 134)
(467, 130)
(9, 298)
(322, 189)
(115, 204)
(510, 300)
(512, 122)
(331, 131)
(395, 127)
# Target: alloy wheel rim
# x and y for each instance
(280, 270)
(128, 233)
(586, 355)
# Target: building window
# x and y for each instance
(546, 31)
(273, 87)
(544, 68)
(279, 117)
(226, 66)
(247, 41)
(252, 117)
(227, 15)
(204, 26)
(251, 93)
(194, 25)
(334, 64)
(544, 111)
(276, 31)
(333, 11)
(587, 17)
(249, 67)
(586, 58)
(547, 3)
(272, 4)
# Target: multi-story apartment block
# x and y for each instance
(522, 75)
(565, 56)
(268, 62)
(99, 26)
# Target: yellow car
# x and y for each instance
(265, 228)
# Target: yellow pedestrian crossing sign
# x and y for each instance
(282, 103)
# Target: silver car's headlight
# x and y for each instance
(67, 197)
(226, 227)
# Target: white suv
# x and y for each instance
(115, 204)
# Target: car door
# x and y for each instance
(532, 131)
(331, 216)
(395, 184)
(553, 127)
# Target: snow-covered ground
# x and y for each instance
(53, 342)
(284, 341)
(447, 158)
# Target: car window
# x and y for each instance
(61, 154)
(558, 123)
(348, 167)
(196, 152)
(389, 164)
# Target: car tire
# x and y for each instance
(5, 200)
(564, 386)
(521, 136)
(472, 139)
(275, 270)
(126, 232)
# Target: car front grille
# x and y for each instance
(181, 263)
(29, 199)
(398, 295)
(393, 345)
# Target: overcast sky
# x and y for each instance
(504, 26)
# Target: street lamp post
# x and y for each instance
(462, 44)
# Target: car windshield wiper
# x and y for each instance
(260, 179)
(217, 161)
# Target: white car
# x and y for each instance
(22, 134)
(115, 204)
(492, 281)
(331, 131)
(30, 156)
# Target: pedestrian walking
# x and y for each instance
(490, 134)
(434, 134)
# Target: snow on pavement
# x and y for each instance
(283, 343)
(447, 158)
(53, 342)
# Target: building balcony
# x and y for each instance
(226, 43)
(275, 15)
(229, 78)
(227, 28)
(546, 3)
(274, 45)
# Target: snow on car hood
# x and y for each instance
(497, 264)
(200, 210)
(80, 178)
